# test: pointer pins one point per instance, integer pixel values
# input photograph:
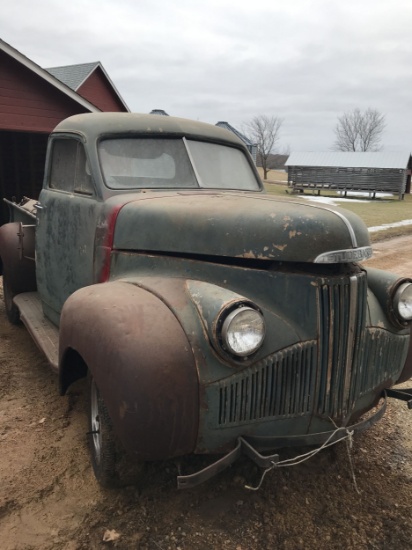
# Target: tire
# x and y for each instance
(12, 311)
(112, 467)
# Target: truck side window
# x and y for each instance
(69, 168)
(82, 179)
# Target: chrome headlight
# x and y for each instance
(403, 302)
(243, 331)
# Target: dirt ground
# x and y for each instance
(343, 498)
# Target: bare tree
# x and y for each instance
(359, 131)
(264, 131)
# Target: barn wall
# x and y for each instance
(98, 91)
(30, 108)
(29, 103)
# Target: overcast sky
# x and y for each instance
(306, 61)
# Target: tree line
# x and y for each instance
(355, 130)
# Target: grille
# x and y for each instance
(342, 310)
(282, 385)
(323, 377)
(383, 352)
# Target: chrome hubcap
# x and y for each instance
(95, 421)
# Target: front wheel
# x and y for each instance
(111, 466)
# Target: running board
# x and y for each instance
(43, 332)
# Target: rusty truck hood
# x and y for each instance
(237, 225)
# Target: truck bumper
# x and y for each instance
(251, 446)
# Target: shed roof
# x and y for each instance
(350, 160)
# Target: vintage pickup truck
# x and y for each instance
(209, 317)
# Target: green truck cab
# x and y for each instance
(209, 317)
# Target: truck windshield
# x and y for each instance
(141, 163)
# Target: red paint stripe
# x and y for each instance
(108, 242)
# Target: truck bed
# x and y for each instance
(43, 332)
(24, 211)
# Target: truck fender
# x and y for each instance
(142, 363)
(19, 270)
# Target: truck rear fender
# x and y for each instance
(141, 361)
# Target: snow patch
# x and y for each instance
(331, 200)
(389, 225)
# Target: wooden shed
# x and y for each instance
(346, 171)
(32, 102)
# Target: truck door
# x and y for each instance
(66, 223)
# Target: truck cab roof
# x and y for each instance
(94, 125)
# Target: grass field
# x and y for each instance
(374, 212)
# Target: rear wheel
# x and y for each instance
(12, 311)
(112, 467)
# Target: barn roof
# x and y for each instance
(29, 64)
(76, 75)
(158, 112)
(229, 127)
(73, 75)
(350, 160)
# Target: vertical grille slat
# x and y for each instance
(264, 408)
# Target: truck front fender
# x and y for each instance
(142, 363)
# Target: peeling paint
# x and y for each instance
(250, 254)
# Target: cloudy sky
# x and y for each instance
(306, 61)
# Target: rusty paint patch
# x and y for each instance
(249, 254)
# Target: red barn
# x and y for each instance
(32, 102)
